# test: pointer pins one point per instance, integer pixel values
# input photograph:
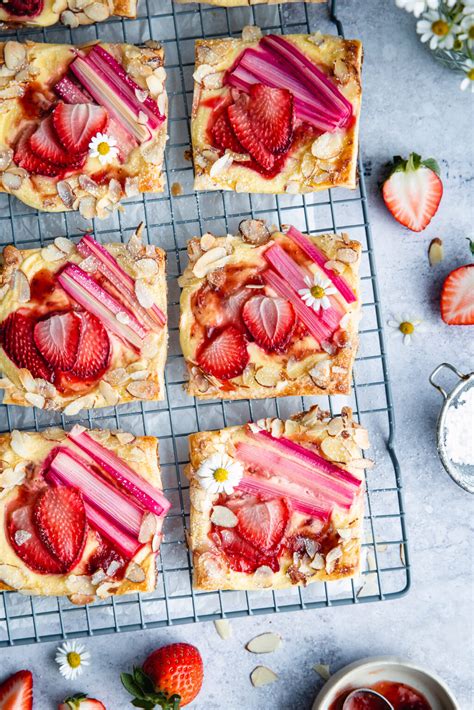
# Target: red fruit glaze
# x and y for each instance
(60, 518)
(270, 321)
(225, 355)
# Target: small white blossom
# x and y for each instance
(417, 6)
(103, 147)
(468, 81)
(436, 30)
(220, 473)
(406, 327)
(467, 29)
(316, 296)
(71, 659)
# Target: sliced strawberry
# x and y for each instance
(413, 191)
(25, 158)
(244, 555)
(457, 297)
(225, 356)
(245, 132)
(263, 524)
(214, 311)
(93, 353)
(270, 321)
(16, 338)
(223, 136)
(57, 339)
(271, 115)
(45, 144)
(76, 124)
(25, 540)
(16, 693)
(80, 701)
(60, 518)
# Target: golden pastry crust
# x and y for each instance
(142, 171)
(130, 377)
(211, 567)
(31, 448)
(307, 369)
(304, 170)
(68, 13)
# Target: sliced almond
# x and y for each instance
(132, 187)
(320, 374)
(335, 426)
(254, 231)
(79, 584)
(97, 12)
(90, 264)
(263, 576)
(435, 251)
(268, 376)
(335, 450)
(202, 71)
(207, 241)
(317, 562)
(209, 261)
(347, 255)
(361, 437)
(277, 428)
(264, 643)
(221, 165)
(87, 206)
(322, 670)
(66, 193)
(143, 390)
(64, 244)
(362, 463)
(144, 294)
(261, 675)
(224, 517)
(341, 70)
(21, 286)
(10, 180)
(148, 527)
(332, 557)
(251, 33)
(135, 573)
(52, 254)
(37, 400)
(124, 437)
(117, 377)
(214, 81)
(76, 405)
(328, 145)
(223, 628)
(6, 157)
(14, 55)
(12, 576)
(147, 267)
(110, 395)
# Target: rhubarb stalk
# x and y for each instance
(257, 486)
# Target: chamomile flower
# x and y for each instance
(468, 81)
(467, 29)
(417, 6)
(406, 327)
(219, 473)
(103, 147)
(436, 30)
(71, 659)
(316, 296)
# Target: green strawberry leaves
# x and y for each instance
(142, 688)
(413, 162)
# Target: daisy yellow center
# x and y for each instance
(103, 148)
(74, 659)
(221, 475)
(457, 46)
(470, 74)
(470, 33)
(317, 292)
(407, 328)
(440, 28)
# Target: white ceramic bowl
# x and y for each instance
(368, 671)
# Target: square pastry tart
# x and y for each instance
(83, 325)
(81, 513)
(72, 13)
(277, 503)
(276, 114)
(270, 314)
(81, 128)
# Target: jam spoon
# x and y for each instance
(356, 700)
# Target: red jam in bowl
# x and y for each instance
(402, 697)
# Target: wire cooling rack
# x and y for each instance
(172, 219)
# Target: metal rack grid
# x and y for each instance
(172, 219)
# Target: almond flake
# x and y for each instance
(113, 567)
(261, 675)
(98, 577)
(22, 536)
(322, 670)
(264, 643)
(37, 400)
(52, 253)
(210, 260)
(334, 450)
(143, 390)
(124, 437)
(90, 264)
(335, 426)
(64, 244)
(254, 231)
(117, 377)
(332, 557)
(122, 317)
(328, 145)
(6, 157)
(135, 573)
(362, 463)
(76, 405)
(361, 437)
(202, 71)
(12, 576)
(207, 241)
(21, 286)
(66, 193)
(110, 395)
(223, 628)
(89, 185)
(263, 576)
(317, 562)
(144, 294)
(347, 255)
(223, 516)
(79, 584)
(221, 165)
(148, 528)
(251, 33)
(268, 376)
(147, 267)
(14, 55)
(435, 251)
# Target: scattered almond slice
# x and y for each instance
(223, 628)
(223, 517)
(261, 675)
(264, 643)
(435, 251)
(322, 670)
(328, 145)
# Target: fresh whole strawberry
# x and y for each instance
(80, 701)
(225, 356)
(171, 678)
(457, 297)
(270, 321)
(60, 519)
(413, 191)
(16, 693)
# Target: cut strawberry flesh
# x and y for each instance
(271, 115)
(60, 519)
(93, 353)
(77, 124)
(25, 158)
(25, 540)
(24, 8)
(241, 555)
(17, 339)
(57, 339)
(245, 132)
(223, 135)
(263, 524)
(225, 355)
(457, 297)
(270, 321)
(413, 196)
(46, 145)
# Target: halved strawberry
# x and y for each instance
(93, 352)
(457, 297)
(270, 321)
(76, 124)
(16, 693)
(16, 338)
(271, 115)
(25, 158)
(80, 701)
(225, 356)
(25, 540)
(263, 524)
(245, 132)
(60, 518)
(45, 144)
(413, 191)
(223, 136)
(57, 339)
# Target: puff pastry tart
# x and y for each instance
(270, 314)
(83, 325)
(81, 128)
(277, 503)
(240, 3)
(81, 513)
(276, 114)
(72, 13)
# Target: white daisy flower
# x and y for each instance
(406, 327)
(220, 473)
(103, 147)
(316, 295)
(417, 6)
(468, 81)
(71, 659)
(467, 29)
(436, 30)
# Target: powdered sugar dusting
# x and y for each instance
(459, 430)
